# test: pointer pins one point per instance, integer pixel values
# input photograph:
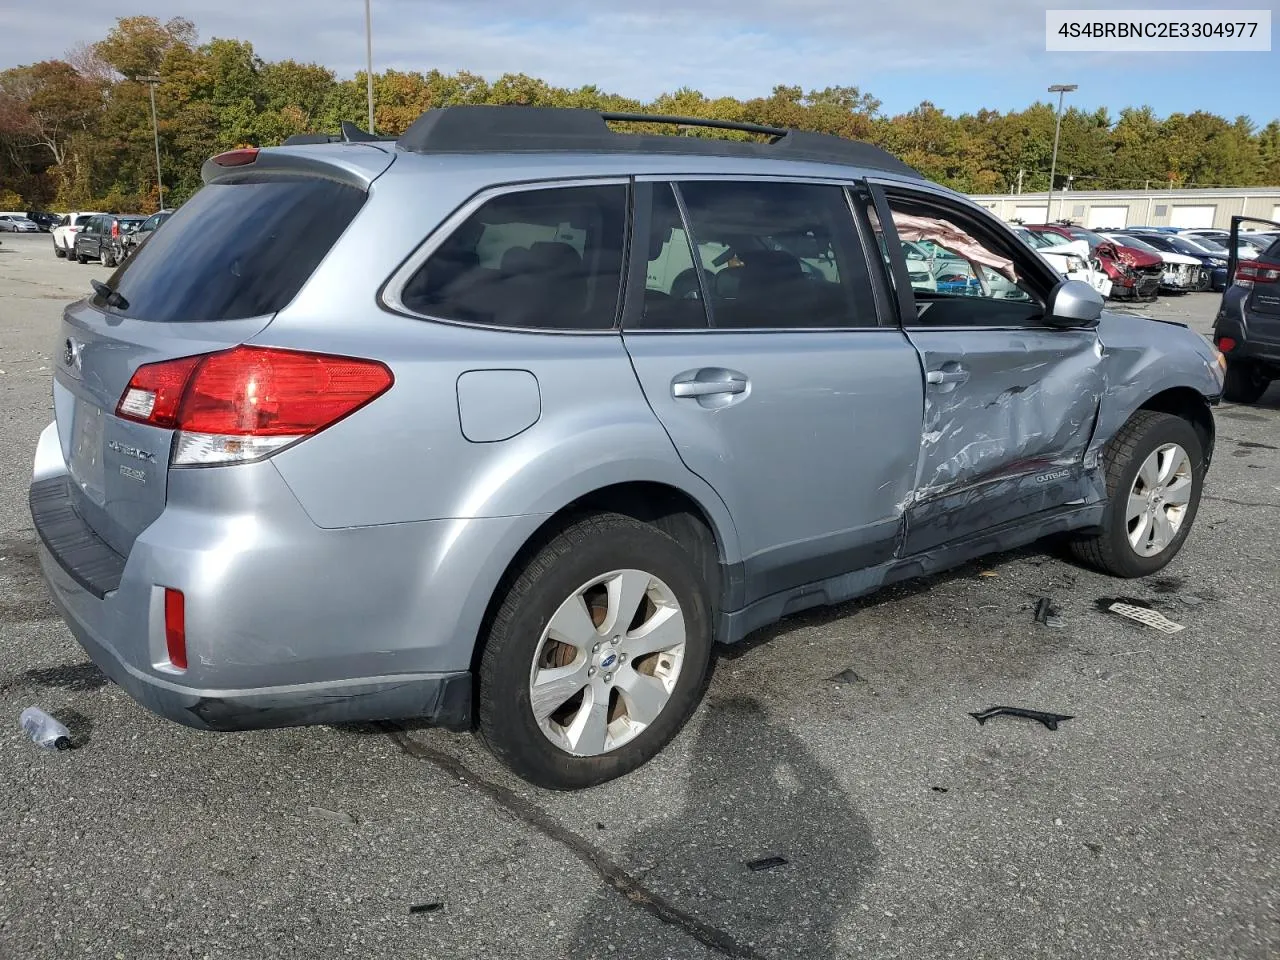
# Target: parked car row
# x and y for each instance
(109, 237)
(1141, 262)
(11, 222)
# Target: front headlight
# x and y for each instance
(1075, 264)
(1217, 262)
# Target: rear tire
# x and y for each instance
(59, 252)
(1244, 382)
(1149, 441)
(560, 626)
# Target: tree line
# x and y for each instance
(77, 132)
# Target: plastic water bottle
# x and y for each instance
(44, 730)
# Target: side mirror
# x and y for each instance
(1073, 303)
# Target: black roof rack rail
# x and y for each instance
(518, 129)
(774, 132)
(350, 134)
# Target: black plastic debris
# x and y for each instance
(426, 907)
(1048, 614)
(1050, 720)
(767, 863)
(846, 676)
(938, 789)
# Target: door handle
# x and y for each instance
(707, 388)
(947, 376)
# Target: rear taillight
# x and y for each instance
(1226, 344)
(1250, 272)
(175, 627)
(115, 230)
(245, 403)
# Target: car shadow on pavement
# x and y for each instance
(755, 796)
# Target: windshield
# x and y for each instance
(1207, 244)
(1039, 240)
(1183, 245)
(1127, 241)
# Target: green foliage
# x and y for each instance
(79, 133)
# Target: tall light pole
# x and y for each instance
(368, 49)
(155, 133)
(1061, 89)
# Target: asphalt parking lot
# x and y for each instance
(1146, 826)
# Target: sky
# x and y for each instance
(962, 55)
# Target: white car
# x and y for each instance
(1182, 273)
(1069, 257)
(919, 267)
(64, 234)
(17, 223)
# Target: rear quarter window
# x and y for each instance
(236, 250)
(547, 259)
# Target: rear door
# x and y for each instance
(231, 257)
(83, 239)
(752, 324)
(1010, 403)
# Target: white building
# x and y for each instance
(1112, 209)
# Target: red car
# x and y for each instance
(1135, 274)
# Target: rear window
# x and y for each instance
(82, 219)
(235, 250)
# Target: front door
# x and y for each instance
(1010, 402)
(754, 330)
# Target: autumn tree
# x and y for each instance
(81, 128)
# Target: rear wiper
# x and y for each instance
(112, 298)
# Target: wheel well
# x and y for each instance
(1191, 406)
(672, 511)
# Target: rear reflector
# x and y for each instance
(237, 158)
(1226, 344)
(243, 404)
(175, 627)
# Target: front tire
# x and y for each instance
(1244, 383)
(597, 655)
(1155, 475)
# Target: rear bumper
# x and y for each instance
(286, 623)
(440, 698)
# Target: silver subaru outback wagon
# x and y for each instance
(503, 424)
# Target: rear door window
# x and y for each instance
(777, 255)
(548, 258)
(236, 250)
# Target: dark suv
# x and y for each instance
(103, 238)
(1247, 328)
